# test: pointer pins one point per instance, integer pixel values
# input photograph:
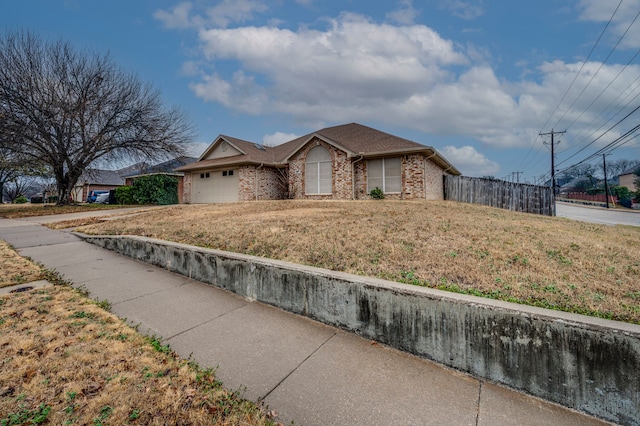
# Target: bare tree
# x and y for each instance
(615, 168)
(67, 111)
(10, 169)
(19, 187)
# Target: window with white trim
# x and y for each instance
(386, 174)
(317, 175)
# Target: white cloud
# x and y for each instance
(220, 15)
(405, 14)
(601, 11)
(177, 18)
(231, 11)
(400, 75)
(467, 10)
(470, 162)
(352, 64)
(241, 93)
(278, 138)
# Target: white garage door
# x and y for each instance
(214, 187)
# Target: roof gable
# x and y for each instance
(301, 142)
(222, 146)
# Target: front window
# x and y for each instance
(318, 171)
(386, 174)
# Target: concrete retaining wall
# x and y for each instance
(585, 363)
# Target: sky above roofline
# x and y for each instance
(477, 80)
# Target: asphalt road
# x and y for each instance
(598, 214)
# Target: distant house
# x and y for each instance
(336, 163)
(100, 179)
(97, 179)
(629, 178)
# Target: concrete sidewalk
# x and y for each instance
(309, 373)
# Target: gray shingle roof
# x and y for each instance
(353, 138)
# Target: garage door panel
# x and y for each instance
(215, 186)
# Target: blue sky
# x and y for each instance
(476, 79)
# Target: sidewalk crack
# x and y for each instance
(478, 404)
(206, 322)
(299, 365)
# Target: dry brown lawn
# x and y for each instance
(12, 211)
(65, 360)
(15, 269)
(523, 258)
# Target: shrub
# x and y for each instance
(625, 202)
(20, 200)
(377, 193)
(124, 195)
(155, 189)
(621, 192)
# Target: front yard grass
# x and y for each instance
(65, 360)
(15, 269)
(13, 211)
(542, 261)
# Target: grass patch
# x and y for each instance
(15, 269)
(67, 361)
(555, 262)
(14, 211)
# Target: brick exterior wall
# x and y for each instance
(416, 170)
(341, 188)
(413, 176)
(186, 188)
(269, 185)
(360, 167)
(434, 178)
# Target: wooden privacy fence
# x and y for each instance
(590, 197)
(499, 193)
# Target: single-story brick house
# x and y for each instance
(340, 163)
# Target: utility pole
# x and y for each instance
(606, 185)
(553, 165)
(517, 175)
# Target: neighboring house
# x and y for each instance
(342, 162)
(166, 168)
(629, 178)
(100, 180)
(96, 179)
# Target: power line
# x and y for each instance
(601, 135)
(606, 88)
(599, 68)
(524, 160)
(629, 92)
(616, 143)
